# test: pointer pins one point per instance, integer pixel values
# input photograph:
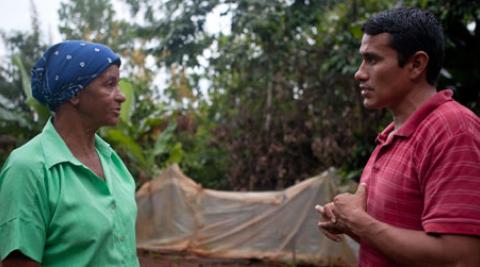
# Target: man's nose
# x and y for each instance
(360, 74)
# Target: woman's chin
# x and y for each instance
(112, 122)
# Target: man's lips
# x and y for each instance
(365, 90)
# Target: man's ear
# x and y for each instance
(418, 64)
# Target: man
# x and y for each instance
(418, 203)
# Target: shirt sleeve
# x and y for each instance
(451, 186)
(24, 209)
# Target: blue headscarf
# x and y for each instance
(67, 68)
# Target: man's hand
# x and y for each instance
(347, 207)
(328, 223)
(339, 215)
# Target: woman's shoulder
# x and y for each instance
(28, 156)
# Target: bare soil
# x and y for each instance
(151, 259)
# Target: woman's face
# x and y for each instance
(100, 102)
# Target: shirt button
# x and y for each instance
(121, 238)
(114, 205)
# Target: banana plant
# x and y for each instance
(127, 137)
(41, 112)
(6, 113)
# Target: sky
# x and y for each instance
(15, 15)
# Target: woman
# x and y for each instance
(66, 198)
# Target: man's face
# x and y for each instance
(382, 82)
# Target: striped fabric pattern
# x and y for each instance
(426, 175)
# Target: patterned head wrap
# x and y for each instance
(67, 68)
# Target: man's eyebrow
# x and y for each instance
(370, 56)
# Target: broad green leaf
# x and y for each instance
(11, 116)
(176, 154)
(128, 144)
(356, 31)
(127, 107)
(42, 111)
(161, 145)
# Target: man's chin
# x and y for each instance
(370, 104)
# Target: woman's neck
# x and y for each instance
(76, 133)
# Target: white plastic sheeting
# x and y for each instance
(176, 214)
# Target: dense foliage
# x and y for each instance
(266, 102)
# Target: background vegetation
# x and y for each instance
(264, 104)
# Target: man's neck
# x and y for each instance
(410, 103)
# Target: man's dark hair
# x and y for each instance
(411, 30)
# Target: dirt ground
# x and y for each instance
(178, 259)
(151, 259)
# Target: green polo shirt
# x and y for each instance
(58, 212)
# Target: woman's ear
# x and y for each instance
(418, 64)
(75, 100)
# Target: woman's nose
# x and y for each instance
(119, 96)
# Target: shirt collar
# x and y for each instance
(417, 117)
(56, 151)
(103, 147)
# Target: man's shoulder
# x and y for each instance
(452, 118)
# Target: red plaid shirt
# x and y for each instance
(426, 175)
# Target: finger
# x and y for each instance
(326, 212)
(329, 214)
(329, 226)
(362, 194)
(326, 224)
(361, 189)
(333, 237)
(319, 208)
